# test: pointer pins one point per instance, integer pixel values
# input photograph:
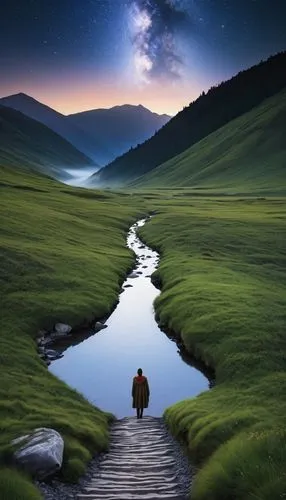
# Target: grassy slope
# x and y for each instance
(223, 273)
(248, 153)
(208, 113)
(63, 258)
(28, 144)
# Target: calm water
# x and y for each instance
(103, 365)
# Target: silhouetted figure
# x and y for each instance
(140, 393)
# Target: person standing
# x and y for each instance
(140, 393)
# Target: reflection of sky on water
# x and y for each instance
(102, 366)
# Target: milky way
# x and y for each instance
(81, 54)
(156, 27)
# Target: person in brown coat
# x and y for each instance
(140, 393)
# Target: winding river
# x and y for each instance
(102, 366)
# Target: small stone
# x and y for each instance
(133, 275)
(99, 326)
(62, 328)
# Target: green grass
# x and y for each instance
(16, 486)
(223, 271)
(248, 154)
(63, 258)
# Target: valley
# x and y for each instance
(214, 246)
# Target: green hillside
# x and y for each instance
(219, 106)
(28, 144)
(247, 154)
(223, 276)
(54, 238)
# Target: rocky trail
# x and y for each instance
(143, 463)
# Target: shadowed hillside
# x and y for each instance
(120, 127)
(28, 144)
(56, 122)
(205, 115)
(248, 152)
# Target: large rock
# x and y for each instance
(62, 329)
(40, 453)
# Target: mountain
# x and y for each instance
(248, 152)
(119, 128)
(30, 145)
(56, 122)
(208, 113)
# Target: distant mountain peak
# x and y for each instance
(101, 134)
(121, 127)
(21, 95)
(121, 108)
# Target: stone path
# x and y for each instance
(141, 464)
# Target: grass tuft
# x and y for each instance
(16, 486)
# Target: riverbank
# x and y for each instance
(222, 272)
(132, 339)
(64, 258)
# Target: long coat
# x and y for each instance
(140, 392)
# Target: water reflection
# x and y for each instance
(103, 365)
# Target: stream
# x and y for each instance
(103, 365)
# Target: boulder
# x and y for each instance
(40, 453)
(133, 275)
(62, 329)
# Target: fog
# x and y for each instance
(78, 176)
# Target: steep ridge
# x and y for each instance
(56, 122)
(141, 464)
(28, 144)
(208, 113)
(249, 152)
(120, 127)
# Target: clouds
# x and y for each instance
(155, 28)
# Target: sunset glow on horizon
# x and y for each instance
(68, 99)
(158, 53)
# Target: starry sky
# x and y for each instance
(75, 55)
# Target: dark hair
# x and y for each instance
(139, 371)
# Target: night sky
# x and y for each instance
(81, 54)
